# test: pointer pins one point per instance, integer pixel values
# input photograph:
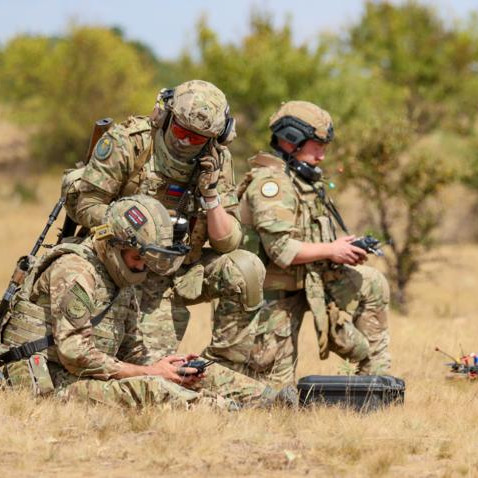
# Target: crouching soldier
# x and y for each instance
(290, 224)
(72, 329)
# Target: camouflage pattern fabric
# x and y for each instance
(222, 388)
(166, 179)
(201, 107)
(215, 277)
(61, 298)
(136, 165)
(349, 305)
(309, 113)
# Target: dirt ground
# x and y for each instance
(433, 435)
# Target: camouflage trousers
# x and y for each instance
(267, 347)
(221, 387)
(235, 279)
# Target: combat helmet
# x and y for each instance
(299, 121)
(139, 222)
(200, 107)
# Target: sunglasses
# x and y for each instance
(180, 132)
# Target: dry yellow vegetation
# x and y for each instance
(434, 434)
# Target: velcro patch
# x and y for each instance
(175, 190)
(135, 217)
(81, 294)
(75, 308)
(270, 189)
(103, 148)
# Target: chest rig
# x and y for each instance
(30, 319)
(313, 217)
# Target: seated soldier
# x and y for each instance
(290, 224)
(73, 326)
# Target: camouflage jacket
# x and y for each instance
(280, 211)
(62, 293)
(125, 161)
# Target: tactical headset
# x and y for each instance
(163, 106)
(297, 132)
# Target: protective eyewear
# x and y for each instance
(164, 260)
(180, 132)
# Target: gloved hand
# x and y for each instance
(209, 170)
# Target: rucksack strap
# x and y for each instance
(28, 349)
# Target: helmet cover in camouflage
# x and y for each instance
(136, 222)
(200, 107)
(319, 120)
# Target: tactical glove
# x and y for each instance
(209, 170)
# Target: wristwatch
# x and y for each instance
(208, 205)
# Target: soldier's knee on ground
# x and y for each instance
(253, 272)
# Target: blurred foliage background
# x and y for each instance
(400, 82)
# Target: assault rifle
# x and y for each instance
(24, 264)
(101, 126)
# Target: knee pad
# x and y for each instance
(253, 272)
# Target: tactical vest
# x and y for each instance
(147, 178)
(30, 318)
(312, 221)
(138, 129)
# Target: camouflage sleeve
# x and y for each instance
(274, 206)
(72, 290)
(107, 171)
(226, 185)
(227, 191)
(133, 348)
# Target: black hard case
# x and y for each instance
(362, 393)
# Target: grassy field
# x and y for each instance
(434, 434)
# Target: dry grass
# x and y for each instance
(434, 434)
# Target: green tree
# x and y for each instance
(263, 70)
(89, 74)
(398, 178)
(410, 46)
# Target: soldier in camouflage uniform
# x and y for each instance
(83, 296)
(180, 157)
(289, 222)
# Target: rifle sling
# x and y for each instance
(28, 349)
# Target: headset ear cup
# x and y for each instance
(229, 132)
(162, 107)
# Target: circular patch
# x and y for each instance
(103, 148)
(75, 308)
(270, 189)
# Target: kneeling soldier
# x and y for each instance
(290, 224)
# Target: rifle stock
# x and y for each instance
(24, 263)
(101, 126)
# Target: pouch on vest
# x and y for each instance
(32, 372)
(70, 190)
(344, 338)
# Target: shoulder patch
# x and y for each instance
(82, 296)
(103, 148)
(135, 217)
(75, 308)
(270, 189)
